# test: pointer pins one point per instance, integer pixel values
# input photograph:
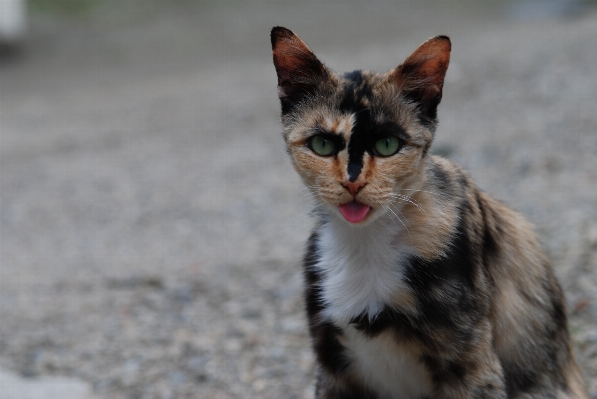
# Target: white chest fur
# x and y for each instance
(362, 271)
(388, 368)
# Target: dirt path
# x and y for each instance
(151, 226)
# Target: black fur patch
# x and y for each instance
(518, 381)
(355, 76)
(365, 132)
(352, 103)
(311, 258)
(456, 268)
(387, 318)
(451, 371)
(312, 292)
(329, 351)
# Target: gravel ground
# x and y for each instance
(152, 228)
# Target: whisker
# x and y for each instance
(433, 234)
(394, 221)
(410, 200)
(400, 220)
(424, 191)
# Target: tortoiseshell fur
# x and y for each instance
(441, 291)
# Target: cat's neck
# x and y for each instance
(361, 267)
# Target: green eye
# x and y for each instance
(387, 146)
(322, 146)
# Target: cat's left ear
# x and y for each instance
(299, 71)
(421, 77)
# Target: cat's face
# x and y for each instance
(358, 139)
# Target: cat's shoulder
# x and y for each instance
(448, 176)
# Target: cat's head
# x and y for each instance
(359, 138)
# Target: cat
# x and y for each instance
(418, 285)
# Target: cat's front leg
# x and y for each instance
(477, 377)
(340, 386)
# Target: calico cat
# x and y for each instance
(418, 284)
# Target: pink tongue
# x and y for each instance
(354, 211)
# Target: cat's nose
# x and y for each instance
(353, 187)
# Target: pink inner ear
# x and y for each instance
(287, 65)
(426, 67)
(295, 63)
(291, 55)
(288, 69)
(283, 67)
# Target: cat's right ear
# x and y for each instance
(299, 71)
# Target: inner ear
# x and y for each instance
(420, 77)
(298, 69)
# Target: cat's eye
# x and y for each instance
(387, 146)
(322, 146)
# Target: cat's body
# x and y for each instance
(418, 284)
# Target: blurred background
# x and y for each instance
(151, 225)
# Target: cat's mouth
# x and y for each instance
(354, 211)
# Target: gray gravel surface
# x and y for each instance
(152, 227)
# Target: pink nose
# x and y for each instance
(353, 188)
